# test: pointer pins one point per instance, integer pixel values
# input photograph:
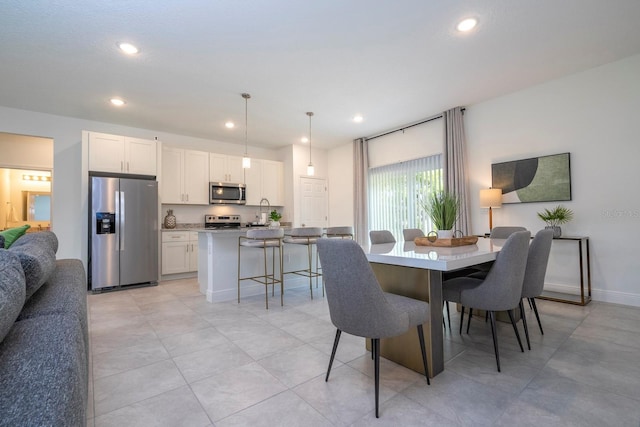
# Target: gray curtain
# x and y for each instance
(455, 164)
(360, 190)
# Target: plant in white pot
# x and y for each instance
(443, 208)
(274, 216)
(556, 216)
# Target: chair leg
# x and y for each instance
(515, 328)
(532, 301)
(424, 353)
(530, 306)
(372, 352)
(524, 323)
(492, 317)
(310, 250)
(448, 316)
(461, 319)
(333, 353)
(469, 319)
(376, 369)
(266, 284)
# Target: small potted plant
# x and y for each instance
(274, 216)
(556, 216)
(443, 208)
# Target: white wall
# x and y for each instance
(416, 142)
(69, 211)
(340, 174)
(592, 115)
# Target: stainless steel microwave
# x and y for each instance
(224, 193)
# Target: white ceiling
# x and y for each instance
(394, 62)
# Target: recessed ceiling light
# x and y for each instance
(229, 125)
(304, 139)
(117, 102)
(358, 118)
(467, 24)
(127, 48)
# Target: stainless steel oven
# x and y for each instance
(221, 193)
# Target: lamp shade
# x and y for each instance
(491, 198)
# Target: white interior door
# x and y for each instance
(313, 212)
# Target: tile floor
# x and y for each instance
(163, 356)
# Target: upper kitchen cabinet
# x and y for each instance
(223, 168)
(265, 179)
(185, 176)
(122, 154)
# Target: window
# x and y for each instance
(397, 193)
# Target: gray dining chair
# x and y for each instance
(504, 232)
(534, 275)
(410, 234)
(501, 290)
(358, 306)
(378, 237)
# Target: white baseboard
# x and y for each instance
(614, 297)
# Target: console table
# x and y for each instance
(585, 270)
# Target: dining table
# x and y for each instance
(417, 271)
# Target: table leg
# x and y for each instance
(436, 337)
(423, 285)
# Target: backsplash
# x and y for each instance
(194, 214)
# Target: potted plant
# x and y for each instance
(443, 209)
(553, 218)
(274, 216)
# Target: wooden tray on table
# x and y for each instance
(448, 243)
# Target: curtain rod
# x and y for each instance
(430, 119)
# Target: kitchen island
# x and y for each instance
(218, 265)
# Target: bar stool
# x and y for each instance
(342, 232)
(263, 239)
(307, 236)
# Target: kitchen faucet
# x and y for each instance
(264, 199)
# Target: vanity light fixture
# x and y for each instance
(310, 169)
(127, 48)
(42, 178)
(467, 25)
(117, 102)
(246, 160)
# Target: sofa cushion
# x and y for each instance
(65, 292)
(43, 373)
(12, 290)
(37, 254)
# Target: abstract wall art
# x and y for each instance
(538, 179)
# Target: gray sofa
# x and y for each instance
(44, 343)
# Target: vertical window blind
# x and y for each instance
(397, 194)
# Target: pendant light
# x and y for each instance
(310, 169)
(246, 160)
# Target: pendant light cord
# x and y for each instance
(246, 97)
(309, 114)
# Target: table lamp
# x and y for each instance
(491, 198)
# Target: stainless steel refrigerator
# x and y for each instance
(123, 236)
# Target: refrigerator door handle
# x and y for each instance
(123, 220)
(117, 219)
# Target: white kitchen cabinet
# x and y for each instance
(179, 252)
(193, 251)
(185, 176)
(223, 168)
(265, 179)
(122, 154)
